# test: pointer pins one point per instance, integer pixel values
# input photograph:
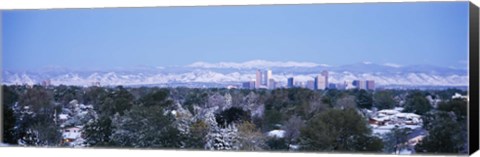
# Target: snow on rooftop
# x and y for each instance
(63, 116)
(277, 133)
(399, 109)
(407, 115)
(388, 112)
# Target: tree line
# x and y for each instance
(232, 119)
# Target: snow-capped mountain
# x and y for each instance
(236, 73)
(255, 64)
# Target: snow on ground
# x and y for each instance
(405, 152)
(4, 144)
(277, 133)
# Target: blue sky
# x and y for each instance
(434, 33)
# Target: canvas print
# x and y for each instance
(387, 78)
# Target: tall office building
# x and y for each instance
(320, 82)
(290, 82)
(370, 84)
(325, 74)
(356, 83)
(246, 85)
(271, 84)
(249, 85)
(267, 77)
(258, 80)
(362, 84)
(310, 84)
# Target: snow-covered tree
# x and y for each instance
(223, 138)
(146, 127)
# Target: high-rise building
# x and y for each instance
(267, 76)
(310, 84)
(362, 84)
(370, 84)
(325, 74)
(356, 83)
(271, 84)
(258, 80)
(249, 85)
(246, 85)
(290, 82)
(342, 86)
(320, 83)
(299, 84)
(332, 86)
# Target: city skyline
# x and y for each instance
(404, 34)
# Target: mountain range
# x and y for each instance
(233, 73)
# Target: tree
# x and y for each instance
(98, 132)
(196, 137)
(383, 100)
(117, 101)
(145, 127)
(396, 139)
(223, 138)
(94, 95)
(292, 129)
(364, 99)
(338, 130)
(250, 138)
(458, 106)
(445, 134)
(275, 143)
(417, 103)
(156, 98)
(35, 124)
(38, 100)
(231, 115)
(345, 102)
(9, 97)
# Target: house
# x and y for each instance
(388, 112)
(459, 96)
(71, 134)
(385, 120)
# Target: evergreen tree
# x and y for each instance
(417, 103)
(338, 130)
(9, 97)
(196, 138)
(383, 100)
(444, 134)
(364, 99)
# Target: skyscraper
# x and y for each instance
(271, 84)
(362, 84)
(258, 80)
(310, 84)
(325, 74)
(370, 84)
(290, 82)
(320, 82)
(268, 76)
(356, 83)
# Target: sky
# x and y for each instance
(434, 33)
